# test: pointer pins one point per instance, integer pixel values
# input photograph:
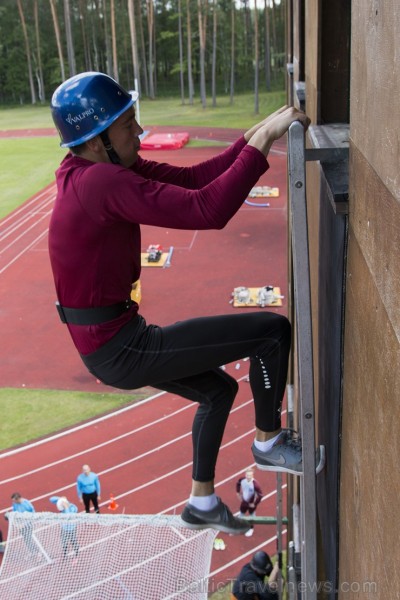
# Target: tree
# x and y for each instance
(58, 38)
(232, 78)
(180, 43)
(256, 61)
(189, 52)
(202, 20)
(267, 51)
(93, 45)
(214, 55)
(163, 45)
(108, 51)
(114, 42)
(38, 59)
(150, 31)
(82, 7)
(70, 43)
(28, 51)
(134, 46)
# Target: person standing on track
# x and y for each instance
(20, 504)
(68, 528)
(106, 191)
(88, 488)
(249, 493)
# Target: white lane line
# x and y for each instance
(23, 229)
(17, 256)
(27, 206)
(25, 232)
(26, 218)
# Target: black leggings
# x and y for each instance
(184, 358)
(92, 497)
(68, 538)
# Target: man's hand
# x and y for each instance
(275, 127)
(256, 127)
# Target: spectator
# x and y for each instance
(20, 504)
(68, 529)
(249, 493)
(251, 584)
(88, 486)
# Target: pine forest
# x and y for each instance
(193, 49)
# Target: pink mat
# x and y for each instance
(168, 141)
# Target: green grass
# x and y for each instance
(240, 115)
(29, 414)
(166, 111)
(28, 165)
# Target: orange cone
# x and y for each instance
(113, 505)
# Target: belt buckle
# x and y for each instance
(61, 312)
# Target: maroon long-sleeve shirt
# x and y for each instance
(94, 236)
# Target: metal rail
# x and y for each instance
(307, 588)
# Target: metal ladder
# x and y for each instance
(305, 527)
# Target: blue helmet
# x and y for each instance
(86, 104)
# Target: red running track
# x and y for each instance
(143, 453)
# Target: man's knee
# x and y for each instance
(231, 386)
(284, 326)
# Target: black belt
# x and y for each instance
(92, 316)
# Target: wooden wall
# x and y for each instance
(370, 481)
(369, 475)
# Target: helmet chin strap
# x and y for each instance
(112, 155)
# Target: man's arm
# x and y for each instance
(97, 485)
(273, 582)
(79, 488)
(258, 493)
(193, 177)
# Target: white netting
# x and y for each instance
(53, 556)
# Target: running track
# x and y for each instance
(141, 453)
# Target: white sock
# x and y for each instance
(204, 502)
(266, 446)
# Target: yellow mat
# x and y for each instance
(144, 256)
(264, 191)
(250, 298)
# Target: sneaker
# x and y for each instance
(250, 532)
(219, 518)
(219, 544)
(285, 455)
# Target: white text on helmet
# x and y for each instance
(70, 119)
